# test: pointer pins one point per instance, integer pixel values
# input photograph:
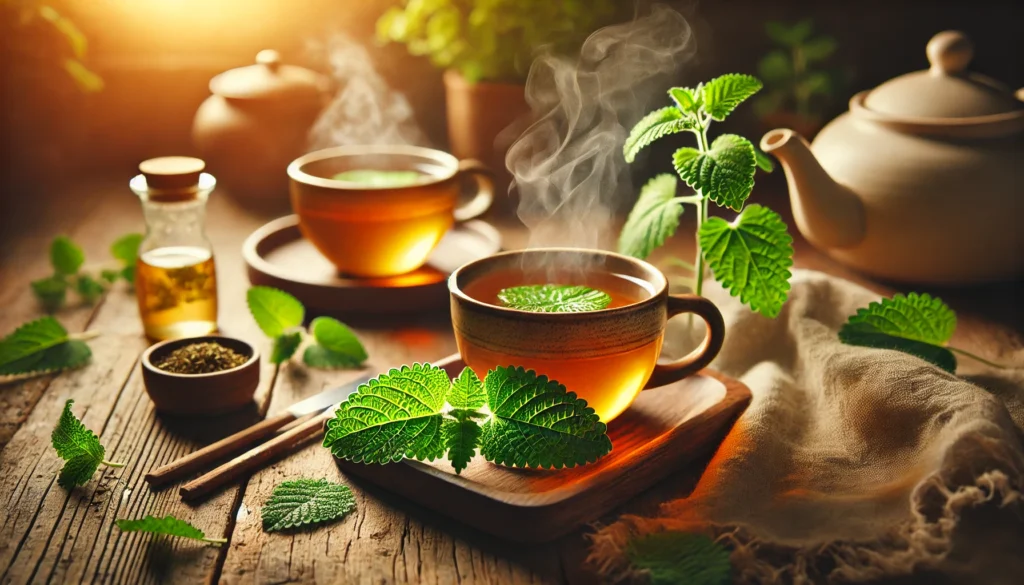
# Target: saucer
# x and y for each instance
(277, 255)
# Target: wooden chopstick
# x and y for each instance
(193, 462)
(254, 458)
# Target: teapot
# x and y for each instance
(922, 180)
(257, 122)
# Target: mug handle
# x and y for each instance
(699, 358)
(484, 196)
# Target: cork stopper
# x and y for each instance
(172, 178)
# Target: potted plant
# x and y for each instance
(798, 87)
(486, 47)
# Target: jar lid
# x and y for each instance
(172, 178)
(946, 90)
(270, 79)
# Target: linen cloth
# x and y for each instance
(852, 464)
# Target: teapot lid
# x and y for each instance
(946, 90)
(269, 79)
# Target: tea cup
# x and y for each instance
(379, 230)
(605, 356)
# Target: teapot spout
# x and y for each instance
(828, 214)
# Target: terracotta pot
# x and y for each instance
(257, 122)
(477, 113)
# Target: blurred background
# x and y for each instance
(95, 86)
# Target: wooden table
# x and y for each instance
(48, 534)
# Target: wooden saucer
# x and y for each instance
(663, 430)
(277, 255)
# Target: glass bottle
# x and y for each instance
(175, 278)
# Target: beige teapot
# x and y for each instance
(922, 180)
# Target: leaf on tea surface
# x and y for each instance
(375, 178)
(654, 218)
(554, 298)
(284, 347)
(88, 288)
(275, 311)
(660, 122)
(168, 525)
(41, 346)
(725, 173)
(750, 257)
(78, 446)
(394, 416)
(722, 94)
(535, 422)
(65, 256)
(50, 291)
(461, 437)
(670, 558)
(303, 502)
(337, 346)
(467, 391)
(918, 324)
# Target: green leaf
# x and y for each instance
(750, 257)
(275, 311)
(775, 67)
(65, 256)
(819, 49)
(393, 416)
(671, 558)
(685, 99)
(654, 218)
(126, 248)
(110, 276)
(88, 288)
(467, 391)
(660, 122)
(78, 446)
(337, 346)
(285, 346)
(918, 324)
(41, 346)
(722, 94)
(725, 173)
(168, 525)
(764, 162)
(536, 423)
(50, 291)
(789, 35)
(554, 298)
(303, 502)
(461, 438)
(128, 273)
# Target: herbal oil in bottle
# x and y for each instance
(175, 276)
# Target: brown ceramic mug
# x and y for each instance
(374, 231)
(607, 356)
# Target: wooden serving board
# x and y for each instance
(663, 430)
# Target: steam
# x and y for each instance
(365, 110)
(568, 165)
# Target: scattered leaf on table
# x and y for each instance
(461, 437)
(304, 502)
(284, 347)
(79, 447)
(673, 558)
(275, 311)
(653, 219)
(918, 324)
(65, 256)
(336, 345)
(168, 525)
(41, 346)
(51, 291)
(554, 298)
(467, 391)
(88, 288)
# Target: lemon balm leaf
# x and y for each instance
(554, 298)
(654, 218)
(535, 422)
(65, 256)
(750, 257)
(275, 311)
(670, 558)
(41, 346)
(461, 438)
(659, 123)
(79, 447)
(336, 345)
(50, 291)
(168, 525)
(917, 324)
(722, 94)
(725, 173)
(467, 391)
(284, 347)
(394, 416)
(304, 502)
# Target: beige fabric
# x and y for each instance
(853, 464)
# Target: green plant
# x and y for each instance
(42, 346)
(21, 23)
(491, 39)
(790, 71)
(280, 316)
(513, 416)
(67, 259)
(303, 502)
(168, 525)
(917, 324)
(749, 256)
(670, 558)
(80, 449)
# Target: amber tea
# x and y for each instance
(608, 382)
(177, 292)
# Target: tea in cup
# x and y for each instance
(378, 211)
(606, 356)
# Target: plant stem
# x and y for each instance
(702, 216)
(978, 358)
(84, 336)
(112, 464)
(216, 541)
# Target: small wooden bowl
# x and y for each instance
(201, 394)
